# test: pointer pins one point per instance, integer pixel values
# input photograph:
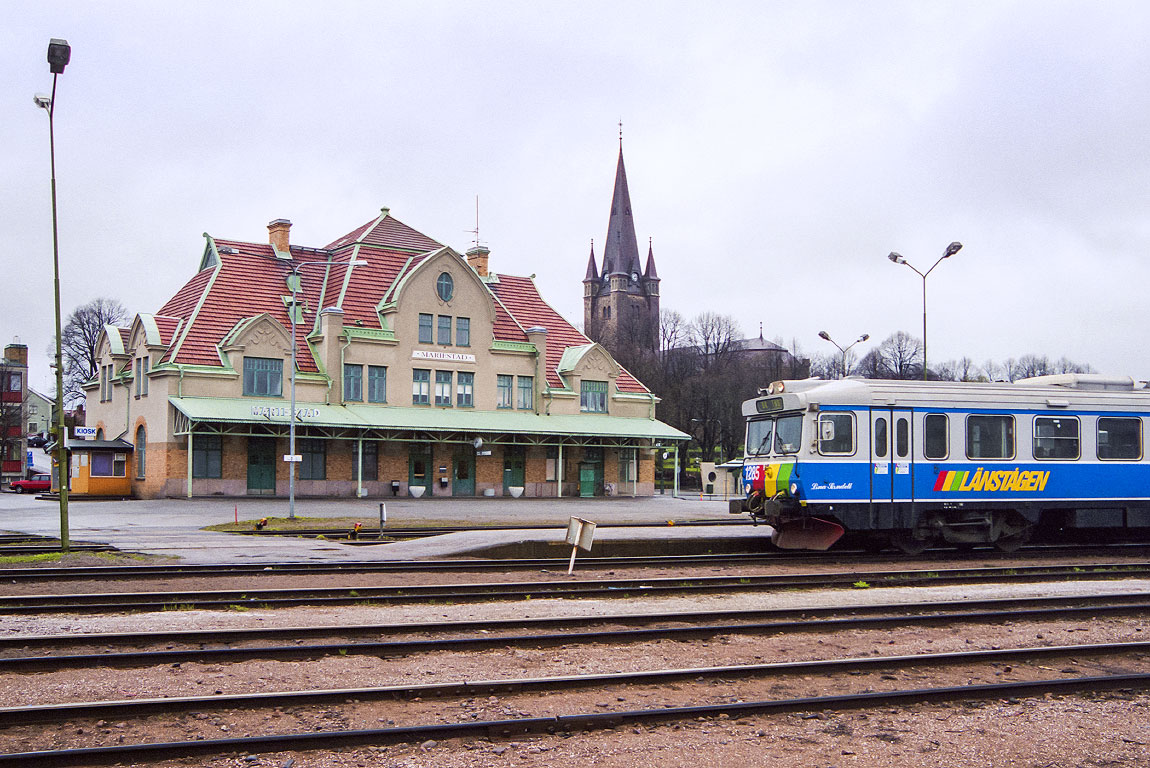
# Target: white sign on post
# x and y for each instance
(580, 534)
(290, 459)
(83, 433)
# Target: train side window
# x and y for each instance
(1055, 438)
(989, 437)
(836, 433)
(936, 443)
(880, 438)
(901, 438)
(1119, 438)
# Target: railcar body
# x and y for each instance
(915, 463)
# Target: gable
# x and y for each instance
(258, 336)
(418, 289)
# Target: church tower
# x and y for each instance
(621, 301)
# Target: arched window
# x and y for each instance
(141, 451)
(100, 433)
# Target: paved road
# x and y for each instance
(172, 527)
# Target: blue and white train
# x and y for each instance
(918, 463)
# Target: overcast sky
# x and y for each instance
(776, 152)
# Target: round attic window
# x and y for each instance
(445, 286)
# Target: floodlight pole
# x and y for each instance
(951, 249)
(59, 53)
(826, 337)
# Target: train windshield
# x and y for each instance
(788, 430)
(759, 433)
(780, 436)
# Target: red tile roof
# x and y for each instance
(387, 232)
(249, 280)
(522, 299)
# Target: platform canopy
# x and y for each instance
(239, 416)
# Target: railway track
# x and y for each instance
(168, 570)
(506, 728)
(487, 591)
(234, 646)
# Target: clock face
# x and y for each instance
(635, 277)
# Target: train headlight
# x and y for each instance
(794, 489)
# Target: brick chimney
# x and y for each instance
(17, 354)
(477, 258)
(278, 236)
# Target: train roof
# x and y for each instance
(1074, 391)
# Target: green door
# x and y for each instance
(463, 473)
(514, 467)
(586, 479)
(419, 467)
(262, 465)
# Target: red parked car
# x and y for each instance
(37, 484)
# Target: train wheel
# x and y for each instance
(906, 542)
(1013, 531)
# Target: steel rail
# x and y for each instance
(1069, 604)
(55, 713)
(144, 753)
(93, 602)
(393, 648)
(176, 570)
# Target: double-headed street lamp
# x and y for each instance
(59, 53)
(827, 337)
(951, 249)
(295, 279)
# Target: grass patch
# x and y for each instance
(178, 607)
(860, 585)
(80, 559)
(45, 557)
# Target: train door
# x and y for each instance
(880, 456)
(902, 454)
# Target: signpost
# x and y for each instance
(580, 534)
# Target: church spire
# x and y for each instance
(592, 271)
(621, 253)
(649, 271)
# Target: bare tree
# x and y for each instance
(1033, 365)
(900, 356)
(1065, 365)
(80, 335)
(672, 330)
(828, 366)
(713, 336)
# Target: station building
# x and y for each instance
(418, 372)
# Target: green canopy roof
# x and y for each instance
(266, 411)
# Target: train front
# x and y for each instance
(773, 468)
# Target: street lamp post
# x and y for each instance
(295, 279)
(826, 337)
(951, 249)
(59, 53)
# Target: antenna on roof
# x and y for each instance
(620, 133)
(476, 230)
